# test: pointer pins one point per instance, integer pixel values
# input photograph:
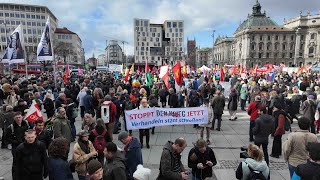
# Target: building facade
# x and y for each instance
(67, 46)
(114, 53)
(202, 57)
(158, 43)
(32, 20)
(191, 52)
(259, 40)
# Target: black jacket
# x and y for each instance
(308, 171)
(263, 128)
(17, 136)
(173, 100)
(45, 137)
(31, 161)
(115, 168)
(195, 157)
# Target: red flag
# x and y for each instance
(234, 70)
(184, 70)
(126, 79)
(138, 71)
(33, 113)
(147, 68)
(164, 75)
(255, 69)
(66, 75)
(177, 73)
(221, 74)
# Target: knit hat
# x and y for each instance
(83, 133)
(142, 173)
(93, 166)
(122, 135)
(310, 97)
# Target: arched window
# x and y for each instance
(311, 50)
(261, 47)
(253, 46)
(276, 46)
(313, 36)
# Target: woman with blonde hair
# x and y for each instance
(88, 122)
(98, 98)
(253, 165)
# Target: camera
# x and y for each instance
(244, 153)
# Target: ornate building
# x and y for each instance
(191, 52)
(259, 40)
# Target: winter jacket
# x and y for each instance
(217, 104)
(59, 169)
(88, 102)
(167, 164)
(17, 136)
(253, 109)
(114, 168)
(295, 106)
(31, 161)
(263, 128)
(99, 130)
(243, 170)
(58, 103)
(233, 101)
(133, 156)
(243, 93)
(279, 122)
(309, 108)
(48, 106)
(173, 100)
(195, 157)
(81, 158)
(62, 128)
(210, 116)
(308, 171)
(45, 137)
(294, 148)
(13, 100)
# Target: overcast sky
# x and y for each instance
(97, 20)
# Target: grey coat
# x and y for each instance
(62, 128)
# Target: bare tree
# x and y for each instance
(64, 50)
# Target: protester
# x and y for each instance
(171, 166)
(243, 96)
(83, 152)
(295, 147)
(61, 125)
(255, 162)
(48, 105)
(233, 104)
(99, 136)
(210, 118)
(132, 152)
(253, 109)
(114, 168)
(31, 158)
(95, 170)
(88, 122)
(144, 132)
(42, 134)
(309, 108)
(57, 163)
(88, 103)
(80, 97)
(217, 104)
(201, 159)
(112, 115)
(264, 126)
(280, 118)
(310, 169)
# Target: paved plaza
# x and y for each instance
(226, 145)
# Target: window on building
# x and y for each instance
(142, 44)
(141, 53)
(252, 37)
(34, 31)
(300, 54)
(302, 37)
(151, 39)
(143, 34)
(2, 30)
(11, 15)
(39, 32)
(157, 39)
(284, 37)
(172, 34)
(261, 46)
(17, 22)
(169, 24)
(292, 37)
(153, 34)
(291, 55)
(6, 14)
(33, 16)
(22, 15)
(59, 36)
(301, 46)
(34, 24)
(145, 23)
(38, 24)
(13, 23)
(277, 37)
(158, 34)
(28, 23)
(311, 50)
(174, 24)
(313, 36)
(137, 22)
(284, 47)
(29, 31)
(17, 15)
(142, 48)
(260, 55)
(276, 47)
(268, 46)
(261, 37)
(1, 14)
(30, 39)
(275, 55)
(38, 16)
(43, 24)
(43, 17)
(269, 37)
(252, 46)
(28, 16)
(268, 55)
(283, 55)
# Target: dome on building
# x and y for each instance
(256, 19)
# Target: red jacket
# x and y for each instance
(253, 110)
(280, 129)
(113, 112)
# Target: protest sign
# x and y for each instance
(151, 117)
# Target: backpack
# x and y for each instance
(255, 174)
(12, 128)
(128, 105)
(99, 142)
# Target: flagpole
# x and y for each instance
(25, 53)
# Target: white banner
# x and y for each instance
(44, 50)
(15, 50)
(115, 68)
(151, 117)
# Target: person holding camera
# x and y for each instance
(83, 152)
(201, 159)
(253, 166)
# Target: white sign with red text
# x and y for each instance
(151, 117)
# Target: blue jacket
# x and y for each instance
(133, 156)
(195, 84)
(59, 169)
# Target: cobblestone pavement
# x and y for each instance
(226, 145)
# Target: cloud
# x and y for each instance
(96, 21)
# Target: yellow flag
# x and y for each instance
(132, 69)
(122, 72)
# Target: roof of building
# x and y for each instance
(256, 19)
(63, 30)
(270, 29)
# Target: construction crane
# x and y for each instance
(122, 41)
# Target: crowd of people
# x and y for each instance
(41, 148)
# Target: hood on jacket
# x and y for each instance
(168, 146)
(118, 157)
(256, 165)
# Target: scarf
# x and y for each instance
(84, 145)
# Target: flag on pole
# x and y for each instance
(177, 73)
(33, 113)
(164, 75)
(44, 50)
(66, 75)
(122, 72)
(126, 79)
(79, 71)
(15, 50)
(270, 76)
(132, 69)
(184, 70)
(138, 71)
(221, 74)
(148, 73)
